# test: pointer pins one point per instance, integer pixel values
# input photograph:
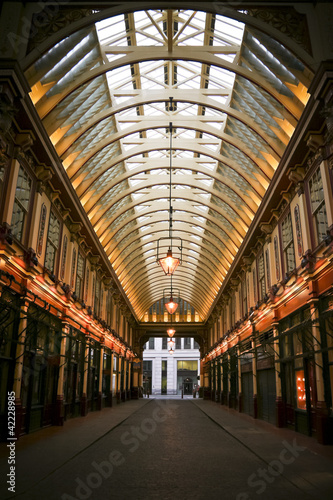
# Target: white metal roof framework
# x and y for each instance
(103, 94)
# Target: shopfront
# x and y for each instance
(9, 320)
(41, 360)
(73, 372)
(298, 372)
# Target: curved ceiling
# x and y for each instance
(103, 94)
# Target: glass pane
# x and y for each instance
(290, 258)
(17, 221)
(287, 235)
(49, 258)
(54, 230)
(23, 188)
(321, 222)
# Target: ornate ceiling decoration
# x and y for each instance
(103, 94)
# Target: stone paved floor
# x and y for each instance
(158, 448)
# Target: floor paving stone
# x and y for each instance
(159, 448)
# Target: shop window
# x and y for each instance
(190, 365)
(254, 282)
(298, 231)
(109, 308)
(300, 390)
(87, 284)
(288, 244)
(52, 243)
(318, 207)
(73, 269)
(97, 299)
(63, 258)
(277, 261)
(224, 319)
(79, 276)
(21, 203)
(268, 273)
(41, 230)
(244, 294)
(261, 277)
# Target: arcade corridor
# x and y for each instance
(166, 172)
(170, 449)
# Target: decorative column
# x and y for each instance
(100, 379)
(60, 409)
(221, 374)
(229, 381)
(254, 374)
(19, 358)
(129, 392)
(124, 392)
(212, 376)
(84, 399)
(239, 370)
(111, 381)
(321, 407)
(118, 393)
(279, 409)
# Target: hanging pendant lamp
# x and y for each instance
(171, 331)
(172, 305)
(169, 263)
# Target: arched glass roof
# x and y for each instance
(103, 94)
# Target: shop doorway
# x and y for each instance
(188, 386)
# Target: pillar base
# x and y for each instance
(255, 406)
(118, 397)
(60, 411)
(128, 395)
(217, 396)
(322, 423)
(84, 405)
(279, 412)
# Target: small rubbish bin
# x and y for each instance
(194, 393)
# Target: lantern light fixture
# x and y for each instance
(171, 331)
(171, 305)
(171, 343)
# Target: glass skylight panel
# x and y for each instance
(119, 75)
(230, 29)
(140, 18)
(112, 30)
